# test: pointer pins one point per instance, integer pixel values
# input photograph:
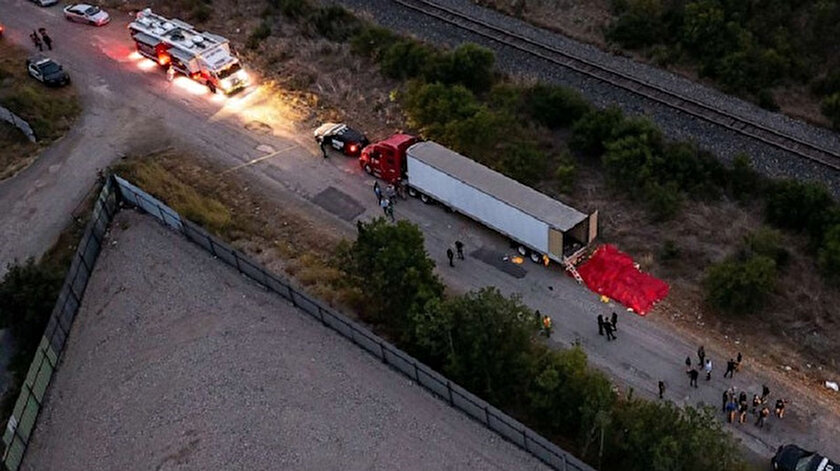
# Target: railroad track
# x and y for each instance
(697, 109)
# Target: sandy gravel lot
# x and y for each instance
(177, 362)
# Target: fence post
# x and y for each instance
(487, 415)
(449, 389)
(382, 352)
(212, 246)
(321, 313)
(416, 373)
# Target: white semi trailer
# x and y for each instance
(541, 227)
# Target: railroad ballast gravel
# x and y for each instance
(176, 361)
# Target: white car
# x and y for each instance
(84, 13)
(44, 3)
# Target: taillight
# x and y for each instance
(353, 149)
(163, 59)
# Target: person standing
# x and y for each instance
(391, 192)
(730, 368)
(780, 407)
(323, 146)
(600, 324)
(765, 391)
(46, 38)
(693, 374)
(546, 323)
(661, 389)
(738, 361)
(756, 403)
(378, 192)
(708, 368)
(37, 40)
(459, 248)
(726, 397)
(701, 354)
(383, 203)
(731, 407)
(608, 329)
(614, 321)
(687, 364)
(742, 411)
(390, 209)
(170, 73)
(450, 256)
(762, 417)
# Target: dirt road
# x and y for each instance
(130, 106)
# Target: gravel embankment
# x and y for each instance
(725, 143)
(176, 361)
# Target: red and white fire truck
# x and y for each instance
(204, 57)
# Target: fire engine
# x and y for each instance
(204, 57)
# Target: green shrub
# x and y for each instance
(670, 251)
(766, 242)
(628, 162)
(373, 41)
(407, 59)
(334, 23)
(292, 8)
(766, 100)
(554, 106)
(830, 107)
(564, 174)
(740, 286)
(469, 65)
(742, 180)
(431, 106)
(638, 25)
(27, 295)
(482, 136)
(524, 162)
(799, 206)
(829, 253)
(593, 129)
(201, 12)
(662, 200)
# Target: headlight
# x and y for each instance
(242, 75)
(227, 83)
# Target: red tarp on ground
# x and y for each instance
(611, 272)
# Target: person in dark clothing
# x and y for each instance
(600, 324)
(389, 210)
(614, 321)
(701, 354)
(743, 397)
(377, 191)
(730, 368)
(459, 247)
(756, 403)
(687, 364)
(661, 389)
(762, 417)
(727, 395)
(608, 328)
(738, 361)
(693, 374)
(323, 146)
(731, 408)
(450, 255)
(742, 411)
(765, 391)
(47, 39)
(36, 40)
(780, 407)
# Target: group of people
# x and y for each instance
(40, 38)
(736, 408)
(459, 251)
(608, 326)
(705, 364)
(387, 199)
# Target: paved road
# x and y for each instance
(129, 108)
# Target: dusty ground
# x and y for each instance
(231, 377)
(16, 152)
(586, 20)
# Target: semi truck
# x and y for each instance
(204, 57)
(539, 227)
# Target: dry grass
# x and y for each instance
(279, 234)
(49, 111)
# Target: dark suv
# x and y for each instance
(46, 70)
(794, 458)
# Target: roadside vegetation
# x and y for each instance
(775, 53)
(49, 111)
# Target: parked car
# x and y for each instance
(342, 138)
(794, 458)
(47, 71)
(84, 13)
(44, 3)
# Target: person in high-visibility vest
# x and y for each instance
(546, 322)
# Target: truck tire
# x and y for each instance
(536, 257)
(426, 199)
(523, 250)
(368, 169)
(412, 192)
(211, 87)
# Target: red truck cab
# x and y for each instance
(386, 159)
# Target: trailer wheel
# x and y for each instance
(368, 169)
(412, 192)
(425, 199)
(536, 257)
(522, 250)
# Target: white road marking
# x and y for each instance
(258, 159)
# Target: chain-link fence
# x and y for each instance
(18, 122)
(22, 422)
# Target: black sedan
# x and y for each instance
(342, 138)
(794, 458)
(47, 71)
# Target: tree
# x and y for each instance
(799, 206)
(742, 179)
(555, 106)
(392, 270)
(469, 65)
(639, 24)
(628, 162)
(739, 287)
(406, 59)
(431, 106)
(593, 129)
(524, 162)
(483, 341)
(27, 296)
